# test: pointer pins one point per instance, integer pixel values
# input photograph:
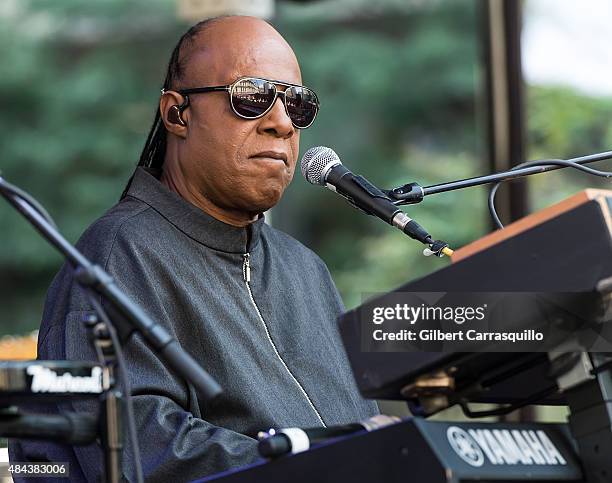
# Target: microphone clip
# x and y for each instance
(408, 194)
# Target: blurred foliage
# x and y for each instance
(78, 90)
(565, 124)
(400, 89)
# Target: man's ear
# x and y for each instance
(172, 107)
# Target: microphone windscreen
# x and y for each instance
(316, 163)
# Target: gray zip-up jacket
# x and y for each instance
(252, 305)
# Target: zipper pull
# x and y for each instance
(246, 268)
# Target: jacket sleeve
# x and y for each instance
(176, 444)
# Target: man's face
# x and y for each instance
(224, 156)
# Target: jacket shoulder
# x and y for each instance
(128, 216)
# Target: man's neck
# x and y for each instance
(182, 188)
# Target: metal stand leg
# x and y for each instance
(112, 434)
(111, 411)
(591, 421)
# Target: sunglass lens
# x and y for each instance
(302, 105)
(252, 97)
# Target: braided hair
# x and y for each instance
(154, 151)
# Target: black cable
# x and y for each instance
(491, 203)
(124, 383)
(544, 162)
(19, 194)
(502, 411)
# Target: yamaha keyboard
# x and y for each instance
(418, 450)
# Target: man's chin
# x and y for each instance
(266, 202)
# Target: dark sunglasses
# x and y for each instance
(252, 98)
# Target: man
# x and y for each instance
(252, 305)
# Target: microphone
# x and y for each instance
(322, 166)
(274, 443)
(70, 428)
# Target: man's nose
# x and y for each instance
(276, 121)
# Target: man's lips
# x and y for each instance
(271, 155)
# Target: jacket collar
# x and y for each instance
(190, 219)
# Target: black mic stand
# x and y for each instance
(94, 279)
(412, 193)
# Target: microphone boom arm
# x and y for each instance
(412, 193)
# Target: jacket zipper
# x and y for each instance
(246, 274)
